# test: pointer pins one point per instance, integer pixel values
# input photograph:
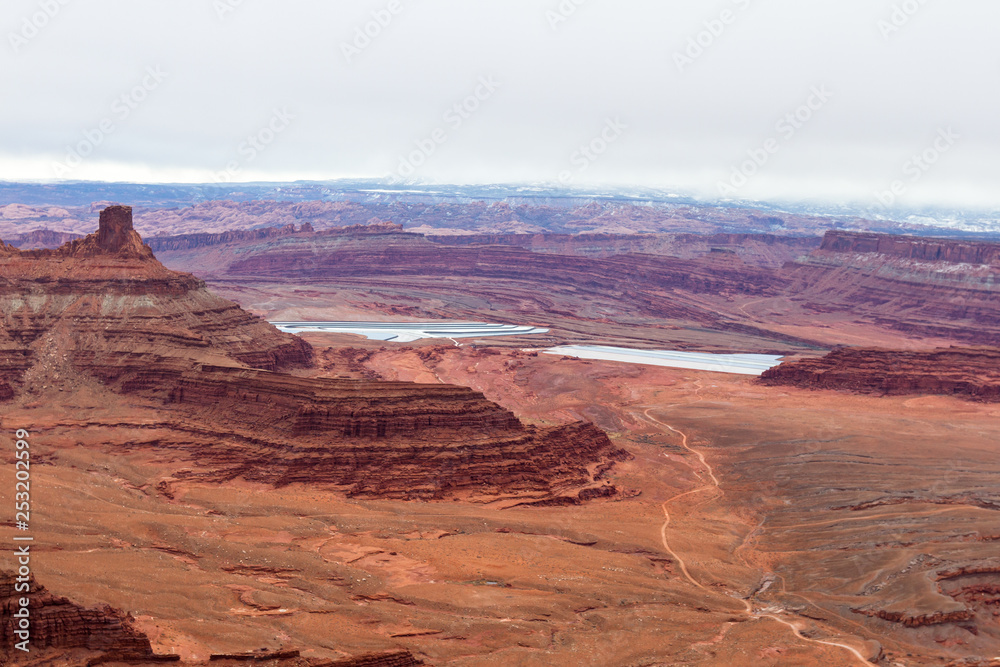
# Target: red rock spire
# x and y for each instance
(113, 230)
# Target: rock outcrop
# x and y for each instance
(379, 439)
(968, 373)
(104, 301)
(115, 236)
(963, 594)
(291, 658)
(57, 623)
(391, 659)
(917, 620)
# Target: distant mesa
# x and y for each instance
(41, 238)
(912, 247)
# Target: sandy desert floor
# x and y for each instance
(755, 521)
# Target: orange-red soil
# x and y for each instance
(773, 527)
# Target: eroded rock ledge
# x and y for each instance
(971, 373)
(58, 623)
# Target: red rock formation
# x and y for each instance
(380, 439)
(920, 286)
(755, 249)
(583, 286)
(102, 308)
(257, 656)
(758, 250)
(204, 240)
(114, 236)
(919, 620)
(116, 304)
(390, 659)
(57, 623)
(912, 247)
(969, 373)
(291, 658)
(974, 585)
(408, 254)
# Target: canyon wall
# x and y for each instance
(913, 247)
(918, 286)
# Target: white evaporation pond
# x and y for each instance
(742, 364)
(405, 332)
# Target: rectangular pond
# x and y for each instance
(404, 332)
(742, 364)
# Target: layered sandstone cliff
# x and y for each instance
(57, 623)
(384, 439)
(761, 250)
(912, 247)
(341, 256)
(758, 250)
(969, 373)
(919, 286)
(104, 300)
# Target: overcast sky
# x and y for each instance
(690, 96)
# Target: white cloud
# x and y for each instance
(606, 60)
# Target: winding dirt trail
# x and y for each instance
(714, 486)
(798, 633)
(707, 474)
